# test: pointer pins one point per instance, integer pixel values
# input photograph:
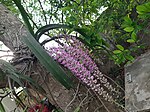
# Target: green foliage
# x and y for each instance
(10, 5)
(132, 27)
(144, 10)
(122, 56)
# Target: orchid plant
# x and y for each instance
(76, 57)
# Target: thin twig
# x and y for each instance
(98, 108)
(43, 11)
(30, 18)
(97, 101)
(73, 97)
(87, 101)
(5, 50)
(84, 98)
(50, 18)
(6, 56)
(32, 21)
(102, 102)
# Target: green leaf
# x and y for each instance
(130, 40)
(116, 51)
(24, 16)
(32, 82)
(129, 29)
(65, 8)
(133, 36)
(143, 8)
(129, 57)
(77, 109)
(73, 18)
(46, 28)
(11, 72)
(47, 61)
(2, 107)
(120, 47)
(128, 20)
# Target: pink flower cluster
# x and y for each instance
(75, 57)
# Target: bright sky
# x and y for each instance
(5, 53)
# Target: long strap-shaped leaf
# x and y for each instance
(24, 16)
(47, 61)
(2, 107)
(46, 28)
(11, 72)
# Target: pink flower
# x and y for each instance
(75, 57)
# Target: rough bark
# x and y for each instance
(11, 28)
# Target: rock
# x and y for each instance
(137, 84)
